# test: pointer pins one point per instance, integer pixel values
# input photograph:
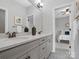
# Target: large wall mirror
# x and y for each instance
(62, 26)
(17, 14)
(3, 20)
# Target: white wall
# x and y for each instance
(14, 9)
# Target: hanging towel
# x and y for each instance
(19, 29)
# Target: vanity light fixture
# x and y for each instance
(68, 11)
(37, 3)
(65, 11)
(40, 5)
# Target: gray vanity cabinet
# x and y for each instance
(46, 48)
(16, 52)
(38, 49)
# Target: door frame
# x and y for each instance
(6, 18)
(71, 21)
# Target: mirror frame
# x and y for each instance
(6, 19)
(53, 11)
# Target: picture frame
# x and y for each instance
(17, 20)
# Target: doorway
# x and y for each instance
(62, 28)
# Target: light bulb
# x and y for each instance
(41, 4)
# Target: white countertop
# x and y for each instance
(7, 43)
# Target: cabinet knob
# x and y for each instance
(43, 40)
(43, 48)
(29, 57)
(26, 58)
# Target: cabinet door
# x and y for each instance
(34, 54)
(50, 42)
(49, 47)
(43, 51)
(25, 56)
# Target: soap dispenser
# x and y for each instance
(26, 29)
(33, 30)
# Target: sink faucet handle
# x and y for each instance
(9, 34)
(14, 34)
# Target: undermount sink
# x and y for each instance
(14, 38)
(22, 37)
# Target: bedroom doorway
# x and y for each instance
(62, 28)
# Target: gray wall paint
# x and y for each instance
(2, 21)
(14, 9)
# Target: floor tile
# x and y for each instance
(60, 54)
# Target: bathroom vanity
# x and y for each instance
(26, 47)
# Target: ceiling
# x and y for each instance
(60, 12)
(24, 3)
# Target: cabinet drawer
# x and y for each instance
(43, 49)
(11, 53)
(25, 56)
(42, 40)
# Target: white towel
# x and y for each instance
(19, 29)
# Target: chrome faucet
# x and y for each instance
(14, 34)
(11, 35)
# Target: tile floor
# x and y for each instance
(62, 45)
(60, 54)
